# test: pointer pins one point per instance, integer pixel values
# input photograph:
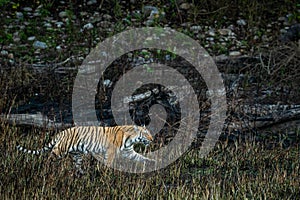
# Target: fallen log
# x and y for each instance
(36, 120)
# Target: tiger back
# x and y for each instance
(103, 143)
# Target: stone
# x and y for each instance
(16, 37)
(196, 29)
(27, 9)
(241, 22)
(211, 32)
(224, 31)
(63, 14)
(59, 24)
(185, 6)
(210, 39)
(91, 2)
(4, 53)
(234, 53)
(19, 15)
(58, 48)
(10, 56)
(107, 17)
(151, 12)
(40, 45)
(105, 24)
(31, 38)
(88, 26)
(47, 25)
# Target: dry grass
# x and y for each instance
(238, 170)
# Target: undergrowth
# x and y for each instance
(239, 170)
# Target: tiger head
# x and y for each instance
(137, 134)
(143, 135)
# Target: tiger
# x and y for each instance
(103, 143)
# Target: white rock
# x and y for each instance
(224, 31)
(27, 9)
(185, 6)
(31, 38)
(91, 2)
(107, 83)
(19, 15)
(88, 26)
(58, 48)
(59, 24)
(195, 28)
(151, 12)
(4, 53)
(107, 17)
(16, 37)
(211, 33)
(210, 39)
(241, 22)
(37, 14)
(10, 56)
(62, 14)
(234, 53)
(40, 45)
(221, 57)
(283, 31)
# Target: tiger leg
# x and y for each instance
(138, 157)
(77, 160)
(109, 156)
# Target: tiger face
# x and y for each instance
(141, 135)
(144, 135)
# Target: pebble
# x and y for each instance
(151, 12)
(27, 9)
(88, 26)
(281, 19)
(40, 45)
(149, 22)
(91, 2)
(59, 24)
(234, 53)
(283, 30)
(107, 17)
(16, 37)
(185, 6)
(225, 32)
(4, 53)
(107, 83)
(211, 32)
(105, 24)
(37, 14)
(62, 14)
(19, 15)
(221, 57)
(83, 13)
(31, 38)
(10, 56)
(210, 39)
(47, 25)
(195, 29)
(241, 22)
(58, 48)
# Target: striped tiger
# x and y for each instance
(103, 143)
